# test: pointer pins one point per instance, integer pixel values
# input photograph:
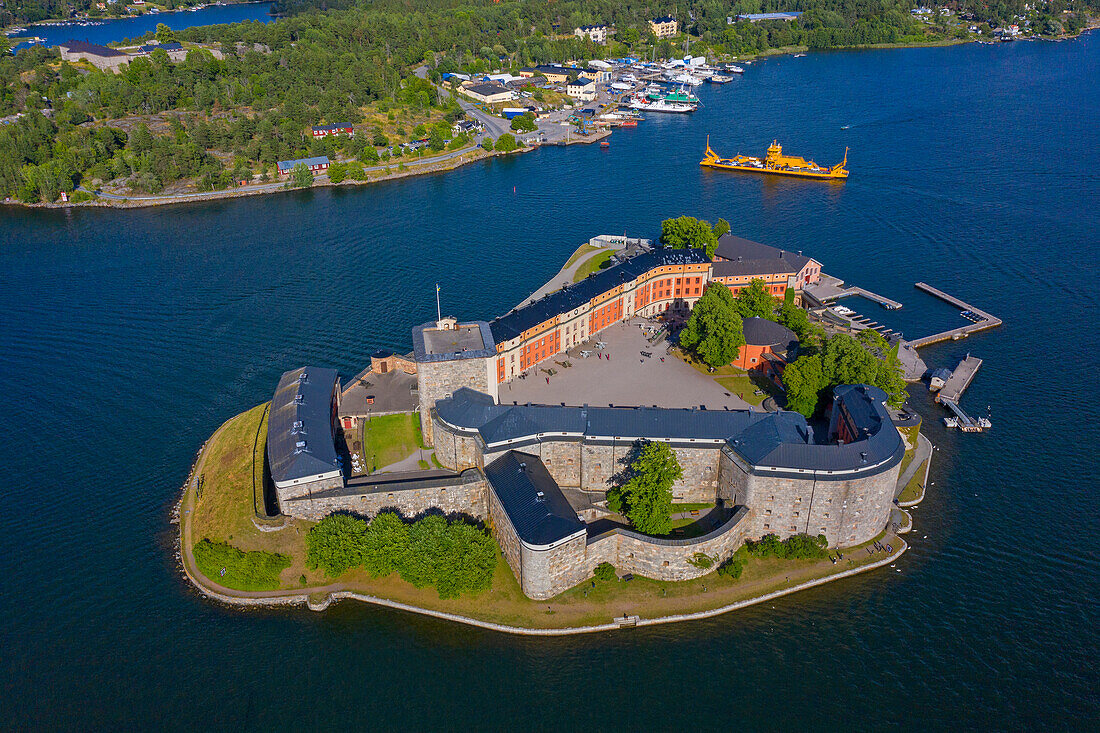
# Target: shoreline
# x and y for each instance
(465, 157)
(320, 597)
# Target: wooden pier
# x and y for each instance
(882, 300)
(959, 380)
(985, 320)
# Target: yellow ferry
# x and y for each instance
(776, 163)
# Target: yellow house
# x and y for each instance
(664, 27)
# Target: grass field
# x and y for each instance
(592, 264)
(912, 490)
(390, 438)
(224, 514)
(580, 252)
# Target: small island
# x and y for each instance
(665, 434)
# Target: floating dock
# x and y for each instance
(959, 380)
(983, 322)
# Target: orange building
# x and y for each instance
(768, 347)
(646, 285)
(737, 262)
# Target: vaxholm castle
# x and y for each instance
(537, 474)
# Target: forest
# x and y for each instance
(215, 120)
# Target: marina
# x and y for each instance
(980, 320)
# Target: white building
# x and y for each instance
(582, 89)
(595, 33)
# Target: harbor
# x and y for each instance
(981, 320)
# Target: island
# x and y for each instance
(611, 452)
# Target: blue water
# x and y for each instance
(119, 29)
(129, 336)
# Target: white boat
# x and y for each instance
(684, 78)
(719, 79)
(661, 106)
(621, 86)
(629, 78)
(734, 69)
(951, 422)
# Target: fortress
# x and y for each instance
(537, 473)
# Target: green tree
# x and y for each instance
(722, 227)
(385, 545)
(647, 494)
(795, 318)
(605, 572)
(804, 379)
(755, 300)
(164, 34)
(337, 172)
(506, 143)
(687, 231)
(436, 140)
(524, 123)
(336, 544)
(301, 177)
(714, 332)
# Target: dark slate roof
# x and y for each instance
(92, 48)
(303, 396)
(488, 88)
(512, 324)
(532, 500)
(476, 412)
(784, 448)
(664, 19)
(752, 258)
(150, 47)
(780, 442)
(762, 332)
(581, 82)
(332, 127)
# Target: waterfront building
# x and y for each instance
(665, 26)
(538, 473)
(302, 433)
(738, 261)
(101, 57)
(339, 128)
(553, 74)
(594, 33)
(315, 165)
(582, 89)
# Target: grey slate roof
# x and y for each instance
(530, 497)
(487, 89)
(73, 46)
(753, 258)
(301, 413)
(422, 352)
(512, 324)
(762, 332)
(777, 441)
(286, 165)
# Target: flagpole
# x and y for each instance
(438, 312)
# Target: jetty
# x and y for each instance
(980, 319)
(829, 289)
(959, 380)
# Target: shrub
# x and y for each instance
(605, 572)
(732, 568)
(796, 547)
(506, 143)
(336, 544)
(243, 570)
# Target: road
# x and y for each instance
(450, 155)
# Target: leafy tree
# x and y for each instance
(335, 544)
(164, 34)
(524, 123)
(722, 227)
(688, 232)
(714, 332)
(301, 176)
(436, 140)
(647, 494)
(337, 172)
(795, 318)
(809, 379)
(487, 143)
(506, 143)
(755, 300)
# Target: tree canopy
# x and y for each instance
(688, 232)
(810, 379)
(646, 497)
(715, 331)
(755, 300)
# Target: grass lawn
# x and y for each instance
(592, 264)
(912, 490)
(390, 438)
(582, 250)
(224, 511)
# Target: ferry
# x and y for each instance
(776, 163)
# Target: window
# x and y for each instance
(796, 514)
(767, 526)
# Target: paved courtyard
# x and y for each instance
(619, 375)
